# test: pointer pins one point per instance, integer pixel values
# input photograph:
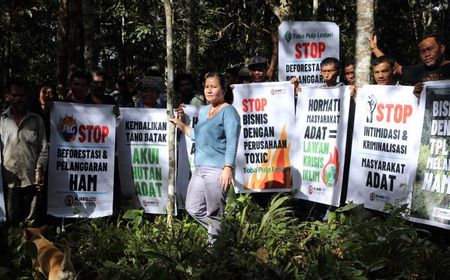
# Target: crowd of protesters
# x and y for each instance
(25, 121)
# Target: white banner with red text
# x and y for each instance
(302, 45)
(81, 160)
(264, 155)
(384, 147)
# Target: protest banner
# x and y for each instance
(302, 45)
(2, 199)
(143, 158)
(263, 160)
(385, 146)
(186, 150)
(81, 160)
(431, 195)
(321, 123)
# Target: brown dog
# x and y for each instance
(50, 261)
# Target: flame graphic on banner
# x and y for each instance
(330, 170)
(279, 167)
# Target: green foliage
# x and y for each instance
(15, 258)
(135, 248)
(254, 243)
(21, 50)
(412, 20)
(129, 35)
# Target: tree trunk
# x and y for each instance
(70, 41)
(121, 47)
(274, 59)
(61, 41)
(414, 22)
(190, 36)
(75, 39)
(252, 31)
(315, 9)
(364, 29)
(8, 48)
(171, 129)
(7, 56)
(282, 12)
(90, 28)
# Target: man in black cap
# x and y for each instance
(258, 69)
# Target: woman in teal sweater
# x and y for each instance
(216, 138)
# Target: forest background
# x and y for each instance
(41, 40)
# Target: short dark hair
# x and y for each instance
(16, 82)
(183, 77)
(348, 63)
(80, 75)
(331, 60)
(382, 59)
(233, 70)
(123, 80)
(152, 71)
(437, 37)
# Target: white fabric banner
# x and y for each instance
(385, 146)
(263, 160)
(186, 149)
(143, 158)
(321, 123)
(81, 160)
(431, 196)
(302, 45)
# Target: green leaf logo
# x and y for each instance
(288, 36)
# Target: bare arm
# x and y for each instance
(377, 52)
(374, 46)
